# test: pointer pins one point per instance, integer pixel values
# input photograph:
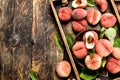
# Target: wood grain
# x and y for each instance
(15, 39)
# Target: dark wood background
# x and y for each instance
(27, 28)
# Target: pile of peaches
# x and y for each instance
(103, 48)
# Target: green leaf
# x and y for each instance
(91, 3)
(88, 74)
(58, 41)
(91, 52)
(116, 28)
(104, 62)
(117, 42)
(32, 75)
(101, 34)
(110, 33)
(69, 40)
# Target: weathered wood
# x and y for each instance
(45, 54)
(15, 39)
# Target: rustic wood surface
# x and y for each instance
(27, 28)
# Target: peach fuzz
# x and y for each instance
(108, 20)
(63, 69)
(93, 16)
(103, 47)
(64, 14)
(103, 4)
(79, 50)
(79, 14)
(79, 25)
(116, 53)
(93, 63)
(113, 65)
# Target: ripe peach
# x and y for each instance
(113, 65)
(79, 14)
(108, 20)
(79, 50)
(93, 63)
(93, 16)
(64, 14)
(63, 69)
(103, 4)
(104, 47)
(116, 53)
(79, 25)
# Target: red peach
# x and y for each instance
(104, 47)
(108, 20)
(79, 50)
(93, 16)
(116, 53)
(79, 14)
(113, 65)
(64, 14)
(63, 69)
(80, 25)
(93, 63)
(103, 4)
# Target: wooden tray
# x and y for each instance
(64, 28)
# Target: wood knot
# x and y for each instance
(14, 39)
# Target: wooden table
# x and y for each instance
(27, 28)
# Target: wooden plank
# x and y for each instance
(15, 39)
(45, 53)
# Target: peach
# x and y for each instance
(113, 65)
(63, 69)
(79, 14)
(64, 14)
(104, 47)
(116, 53)
(79, 4)
(93, 63)
(79, 25)
(103, 4)
(95, 35)
(90, 38)
(108, 20)
(79, 50)
(93, 16)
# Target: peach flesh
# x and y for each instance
(93, 63)
(93, 16)
(79, 50)
(95, 35)
(113, 65)
(63, 69)
(116, 53)
(64, 14)
(108, 20)
(79, 14)
(79, 4)
(80, 25)
(104, 47)
(103, 4)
